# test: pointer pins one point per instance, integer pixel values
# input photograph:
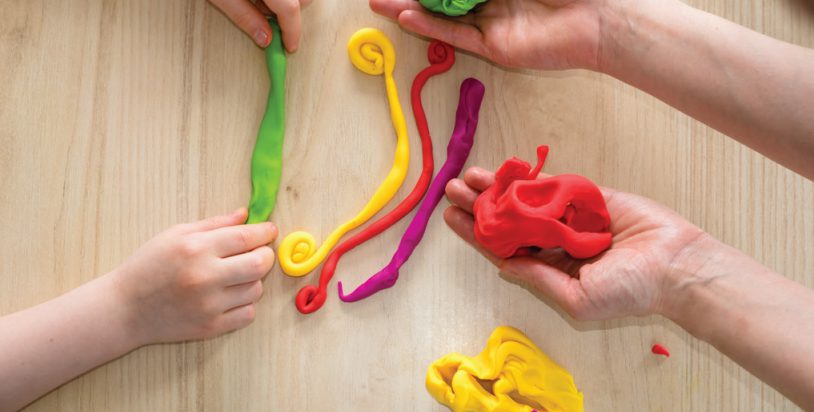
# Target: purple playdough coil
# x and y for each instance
(466, 122)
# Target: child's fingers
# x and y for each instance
(551, 282)
(248, 18)
(288, 15)
(215, 222)
(247, 267)
(237, 318)
(463, 225)
(453, 32)
(461, 195)
(234, 240)
(241, 295)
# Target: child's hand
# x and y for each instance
(534, 34)
(633, 277)
(251, 18)
(196, 280)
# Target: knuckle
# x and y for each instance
(244, 19)
(289, 7)
(242, 239)
(259, 264)
(190, 247)
(210, 307)
(191, 280)
(257, 291)
(212, 329)
(248, 315)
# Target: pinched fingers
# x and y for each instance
(234, 319)
(247, 267)
(290, 20)
(234, 240)
(248, 18)
(241, 295)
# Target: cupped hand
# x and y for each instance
(631, 278)
(196, 280)
(534, 34)
(250, 16)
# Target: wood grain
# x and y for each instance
(120, 118)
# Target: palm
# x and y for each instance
(624, 280)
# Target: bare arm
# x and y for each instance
(192, 281)
(751, 87)
(758, 318)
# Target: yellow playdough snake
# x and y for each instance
(511, 374)
(371, 52)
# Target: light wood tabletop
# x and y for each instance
(121, 118)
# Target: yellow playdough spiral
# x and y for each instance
(520, 377)
(371, 52)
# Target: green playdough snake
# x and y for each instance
(451, 7)
(267, 159)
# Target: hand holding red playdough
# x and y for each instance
(520, 211)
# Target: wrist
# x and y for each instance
(629, 28)
(699, 283)
(124, 313)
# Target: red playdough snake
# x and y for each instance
(520, 211)
(441, 56)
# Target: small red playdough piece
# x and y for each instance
(520, 211)
(660, 350)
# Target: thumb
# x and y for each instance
(547, 281)
(248, 18)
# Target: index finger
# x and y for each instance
(288, 16)
(234, 240)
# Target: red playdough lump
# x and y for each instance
(520, 211)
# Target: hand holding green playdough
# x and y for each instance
(451, 7)
(267, 163)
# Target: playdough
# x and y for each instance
(451, 7)
(510, 375)
(371, 52)
(466, 121)
(520, 211)
(267, 158)
(660, 350)
(441, 56)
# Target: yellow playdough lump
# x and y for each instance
(511, 374)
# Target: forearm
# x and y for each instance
(758, 318)
(49, 344)
(751, 87)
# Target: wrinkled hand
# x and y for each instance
(196, 280)
(250, 16)
(631, 278)
(534, 34)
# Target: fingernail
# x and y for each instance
(261, 38)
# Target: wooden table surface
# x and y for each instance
(121, 118)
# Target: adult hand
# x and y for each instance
(534, 34)
(250, 17)
(633, 277)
